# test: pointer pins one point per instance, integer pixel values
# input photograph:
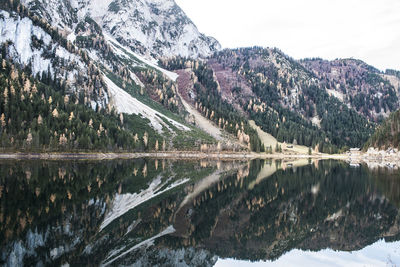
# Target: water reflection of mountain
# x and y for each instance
(170, 213)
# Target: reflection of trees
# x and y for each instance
(42, 191)
(63, 201)
(332, 206)
(153, 216)
(312, 207)
(388, 182)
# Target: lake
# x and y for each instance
(148, 212)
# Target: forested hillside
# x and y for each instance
(290, 103)
(39, 117)
(208, 100)
(61, 98)
(279, 94)
(109, 94)
(388, 134)
(358, 85)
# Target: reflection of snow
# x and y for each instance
(147, 242)
(201, 186)
(335, 216)
(315, 189)
(125, 103)
(124, 203)
(56, 252)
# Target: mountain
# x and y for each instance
(94, 71)
(313, 102)
(283, 97)
(153, 28)
(33, 44)
(144, 66)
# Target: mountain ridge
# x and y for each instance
(326, 105)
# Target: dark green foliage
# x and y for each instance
(114, 7)
(156, 81)
(343, 126)
(65, 123)
(365, 102)
(393, 72)
(288, 119)
(387, 135)
(287, 126)
(282, 210)
(364, 87)
(211, 104)
(210, 98)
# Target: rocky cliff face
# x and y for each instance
(160, 28)
(151, 28)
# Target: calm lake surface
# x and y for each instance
(150, 212)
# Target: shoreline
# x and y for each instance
(191, 155)
(163, 155)
(373, 162)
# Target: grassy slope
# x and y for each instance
(269, 140)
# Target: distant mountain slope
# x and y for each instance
(290, 102)
(388, 134)
(280, 95)
(203, 92)
(358, 85)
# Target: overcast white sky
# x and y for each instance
(362, 29)
(378, 254)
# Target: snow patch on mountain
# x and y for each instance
(71, 37)
(31, 46)
(125, 103)
(99, 8)
(20, 32)
(151, 62)
(337, 94)
(154, 28)
(56, 12)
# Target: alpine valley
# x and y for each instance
(137, 75)
(129, 138)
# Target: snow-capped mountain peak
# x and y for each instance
(156, 28)
(159, 27)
